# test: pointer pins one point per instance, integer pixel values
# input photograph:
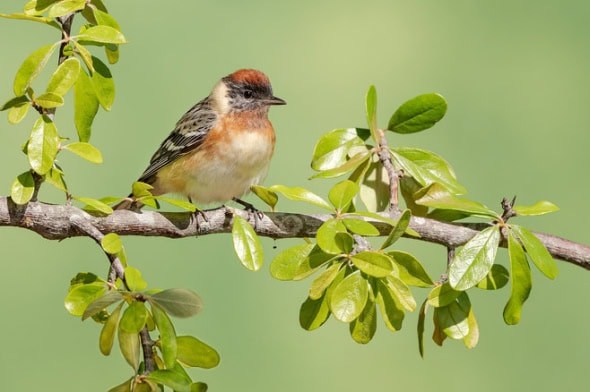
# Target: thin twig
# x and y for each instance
(385, 158)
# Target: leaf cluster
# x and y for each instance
(353, 279)
(79, 70)
(134, 308)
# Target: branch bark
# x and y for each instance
(58, 222)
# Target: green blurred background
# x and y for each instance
(516, 78)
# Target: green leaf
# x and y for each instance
(410, 270)
(495, 279)
(420, 327)
(474, 260)
(199, 387)
(536, 251)
(472, 337)
(134, 318)
(17, 113)
(266, 195)
(453, 318)
(363, 328)
(401, 291)
(354, 163)
(435, 196)
(103, 35)
(167, 345)
(80, 296)
(314, 312)
(102, 303)
(399, 229)
(521, 281)
(49, 100)
(184, 204)
(373, 263)
(298, 262)
(43, 145)
(192, 352)
(171, 379)
(64, 77)
(39, 19)
(375, 188)
(301, 194)
(129, 345)
(427, 168)
(324, 280)
(181, 303)
(107, 333)
(361, 227)
(15, 102)
(341, 194)
(349, 297)
(371, 110)
(55, 177)
(333, 238)
(247, 244)
(103, 83)
(22, 188)
(391, 310)
(418, 114)
(331, 151)
(125, 386)
(141, 189)
(65, 7)
(112, 53)
(408, 187)
(442, 295)
(134, 279)
(105, 19)
(94, 204)
(540, 208)
(85, 150)
(31, 68)
(111, 243)
(85, 106)
(84, 54)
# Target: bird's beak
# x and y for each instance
(275, 101)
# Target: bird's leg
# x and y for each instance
(258, 215)
(195, 217)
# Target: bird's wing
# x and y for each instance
(189, 133)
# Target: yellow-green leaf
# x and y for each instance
(247, 244)
(31, 68)
(85, 106)
(22, 188)
(43, 145)
(64, 77)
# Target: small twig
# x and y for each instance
(147, 345)
(392, 174)
(66, 25)
(116, 271)
(507, 207)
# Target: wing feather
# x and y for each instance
(188, 134)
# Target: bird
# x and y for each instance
(220, 147)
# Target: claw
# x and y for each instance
(258, 215)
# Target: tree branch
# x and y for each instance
(58, 222)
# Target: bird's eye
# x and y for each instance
(247, 94)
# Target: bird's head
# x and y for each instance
(245, 90)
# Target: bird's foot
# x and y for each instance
(258, 215)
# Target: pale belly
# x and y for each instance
(227, 175)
